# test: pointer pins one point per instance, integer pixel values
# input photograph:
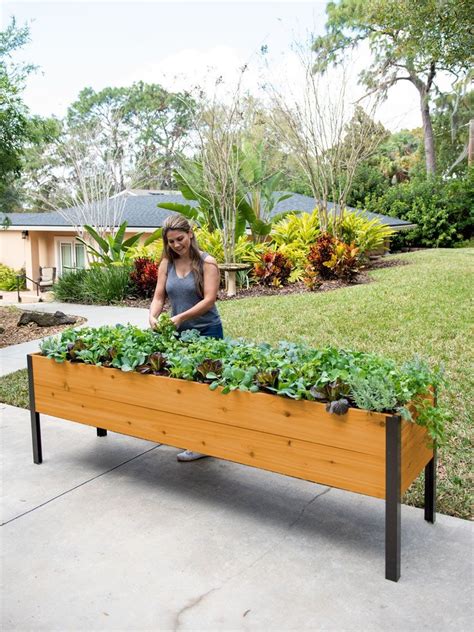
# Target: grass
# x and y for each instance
(14, 389)
(423, 308)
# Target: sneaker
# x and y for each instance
(188, 455)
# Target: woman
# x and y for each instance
(190, 278)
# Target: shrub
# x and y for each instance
(246, 251)
(344, 261)
(443, 211)
(297, 254)
(211, 242)
(273, 269)
(99, 285)
(144, 276)
(106, 284)
(300, 228)
(69, 287)
(152, 251)
(320, 253)
(331, 258)
(8, 278)
(367, 234)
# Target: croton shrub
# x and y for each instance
(339, 378)
(273, 269)
(144, 276)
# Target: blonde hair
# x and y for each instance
(179, 222)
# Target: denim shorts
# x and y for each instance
(213, 331)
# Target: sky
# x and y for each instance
(177, 44)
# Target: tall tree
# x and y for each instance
(314, 121)
(142, 128)
(451, 117)
(104, 112)
(410, 41)
(160, 122)
(14, 131)
(38, 184)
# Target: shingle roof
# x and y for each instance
(141, 212)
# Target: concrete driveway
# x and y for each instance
(113, 533)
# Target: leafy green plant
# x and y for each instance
(339, 378)
(209, 369)
(155, 365)
(366, 234)
(106, 284)
(69, 288)
(165, 326)
(113, 248)
(8, 279)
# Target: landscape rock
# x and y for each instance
(43, 319)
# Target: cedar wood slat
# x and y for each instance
(297, 438)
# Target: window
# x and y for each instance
(72, 255)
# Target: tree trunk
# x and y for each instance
(424, 92)
(428, 135)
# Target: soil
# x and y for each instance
(13, 335)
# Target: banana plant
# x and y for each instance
(113, 249)
(190, 180)
(259, 190)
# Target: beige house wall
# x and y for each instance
(39, 248)
(14, 251)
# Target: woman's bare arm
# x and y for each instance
(159, 296)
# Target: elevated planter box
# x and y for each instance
(369, 453)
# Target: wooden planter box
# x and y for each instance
(363, 452)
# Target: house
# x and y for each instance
(31, 240)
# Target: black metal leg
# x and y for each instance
(393, 459)
(35, 418)
(430, 490)
(101, 432)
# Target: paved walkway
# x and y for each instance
(113, 533)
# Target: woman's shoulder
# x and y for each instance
(207, 258)
(164, 264)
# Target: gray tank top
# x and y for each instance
(183, 295)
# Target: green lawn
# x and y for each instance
(422, 308)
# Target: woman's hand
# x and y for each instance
(177, 320)
(152, 321)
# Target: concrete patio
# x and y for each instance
(113, 533)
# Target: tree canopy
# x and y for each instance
(409, 41)
(14, 128)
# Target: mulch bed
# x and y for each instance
(13, 335)
(376, 264)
